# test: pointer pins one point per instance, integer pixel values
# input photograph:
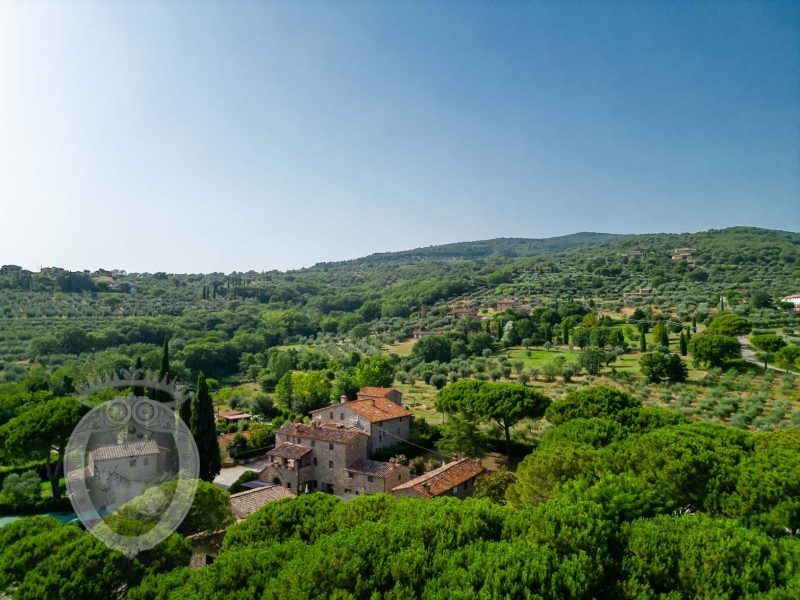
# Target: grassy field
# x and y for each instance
(401, 348)
(538, 356)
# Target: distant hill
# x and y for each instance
(500, 247)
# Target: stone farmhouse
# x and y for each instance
(462, 313)
(335, 453)
(378, 412)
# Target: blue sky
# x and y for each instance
(206, 136)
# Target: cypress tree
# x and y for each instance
(683, 344)
(138, 374)
(204, 431)
(664, 341)
(694, 324)
(642, 338)
(163, 372)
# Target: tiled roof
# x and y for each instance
(377, 409)
(247, 502)
(126, 450)
(372, 467)
(321, 432)
(287, 450)
(234, 415)
(444, 478)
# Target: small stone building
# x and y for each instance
(456, 478)
(373, 477)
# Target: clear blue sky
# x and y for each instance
(203, 136)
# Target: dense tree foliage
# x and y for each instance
(503, 403)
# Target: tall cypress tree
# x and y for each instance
(642, 338)
(138, 390)
(683, 345)
(204, 431)
(694, 324)
(159, 395)
(664, 341)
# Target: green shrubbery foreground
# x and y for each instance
(616, 501)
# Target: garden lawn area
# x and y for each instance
(401, 348)
(539, 356)
(45, 488)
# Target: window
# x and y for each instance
(341, 416)
(330, 446)
(146, 461)
(330, 464)
(350, 475)
(370, 478)
(313, 444)
(346, 490)
(331, 415)
(455, 490)
(399, 477)
(315, 461)
(288, 485)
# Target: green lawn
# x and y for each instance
(538, 356)
(45, 488)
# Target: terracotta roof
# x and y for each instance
(322, 432)
(444, 478)
(126, 450)
(247, 502)
(287, 450)
(377, 409)
(234, 415)
(372, 467)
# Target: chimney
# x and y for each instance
(343, 399)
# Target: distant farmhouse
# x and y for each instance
(504, 305)
(639, 294)
(683, 254)
(462, 313)
(792, 299)
(418, 335)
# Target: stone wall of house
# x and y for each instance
(385, 433)
(359, 483)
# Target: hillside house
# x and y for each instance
(792, 299)
(504, 305)
(639, 294)
(462, 313)
(456, 478)
(378, 412)
(683, 253)
(418, 335)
